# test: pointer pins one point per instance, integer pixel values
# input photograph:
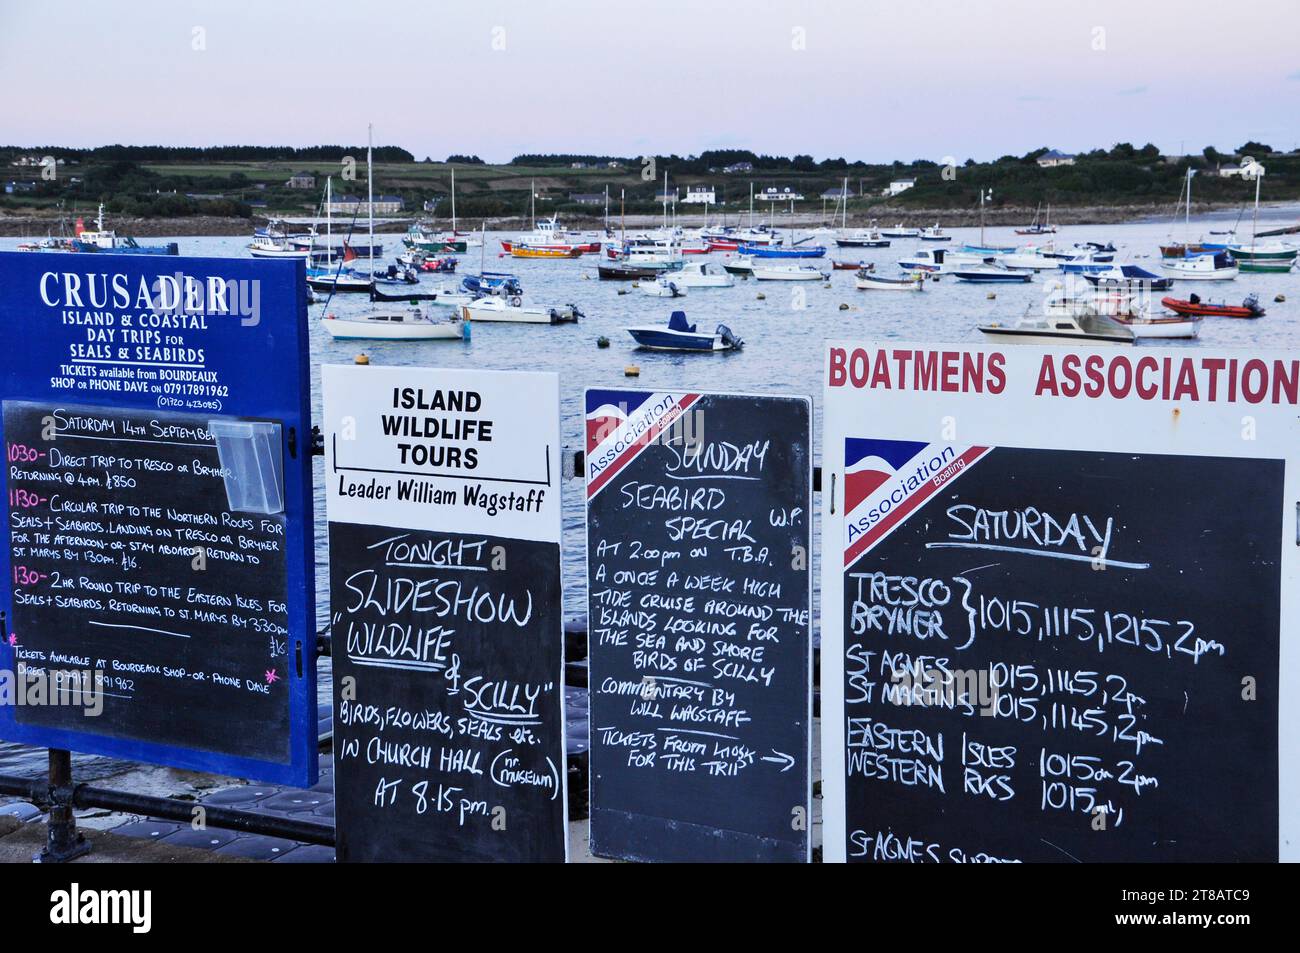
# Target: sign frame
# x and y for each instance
(277, 332)
(684, 399)
(545, 525)
(861, 382)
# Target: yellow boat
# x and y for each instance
(531, 251)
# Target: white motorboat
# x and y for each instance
(739, 265)
(665, 287)
(682, 336)
(1216, 266)
(409, 325)
(508, 311)
(935, 234)
(701, 274)
(1130, 309)
(768, 272)
(1064, 328)
(1029, 258)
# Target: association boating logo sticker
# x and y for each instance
(887, 480)
(621, 424)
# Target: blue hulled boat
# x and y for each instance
(774, 251)
(681, 336)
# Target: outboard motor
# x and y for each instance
(728, 338)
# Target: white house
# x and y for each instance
(1051, 158)
(899, 186)
(700, 195)
(774, 194)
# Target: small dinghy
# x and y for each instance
(1249, 308)
(663, 288)
(847, 265)
(869, 281)
(681, 336)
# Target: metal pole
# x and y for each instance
(62, 841)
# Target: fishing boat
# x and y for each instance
(663, 288)
(1249, 308)
(702, 274)
(519, 250)
(501, 310)
(934, 261)
(935, 234)
(899, 231)
(766, 272)
(740, 265)
(411, 325)
(621, 271)
(419, 238)
(271, 242)
(863, 238)
(1060, 329)
(869, 281)
(777, 251)
(991, 274)
(1210, 266)
(681, 336)
(103, 239)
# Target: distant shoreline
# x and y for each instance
(13, 225)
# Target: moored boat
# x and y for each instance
(412, 325)
(682, 336)
(1212, 266)
(1060, 329)
(501, 310)
(868, 281)
(1249, 308)
(766, 272)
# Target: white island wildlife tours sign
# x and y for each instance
(1059, 604)
(443, 494)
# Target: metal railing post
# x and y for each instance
(62, 841)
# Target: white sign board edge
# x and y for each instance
(1018, 418)
(522, 456)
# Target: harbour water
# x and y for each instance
(783, 324)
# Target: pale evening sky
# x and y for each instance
(872, 80)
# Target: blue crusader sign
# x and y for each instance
(159, 598)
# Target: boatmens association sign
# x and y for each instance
(443, 495)
(1059, 604)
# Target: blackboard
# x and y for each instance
(698, 543)
(138, 343)
(132, 575)
(446, 749)
(1058, 590)
(445, 615)
(1063, 687)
